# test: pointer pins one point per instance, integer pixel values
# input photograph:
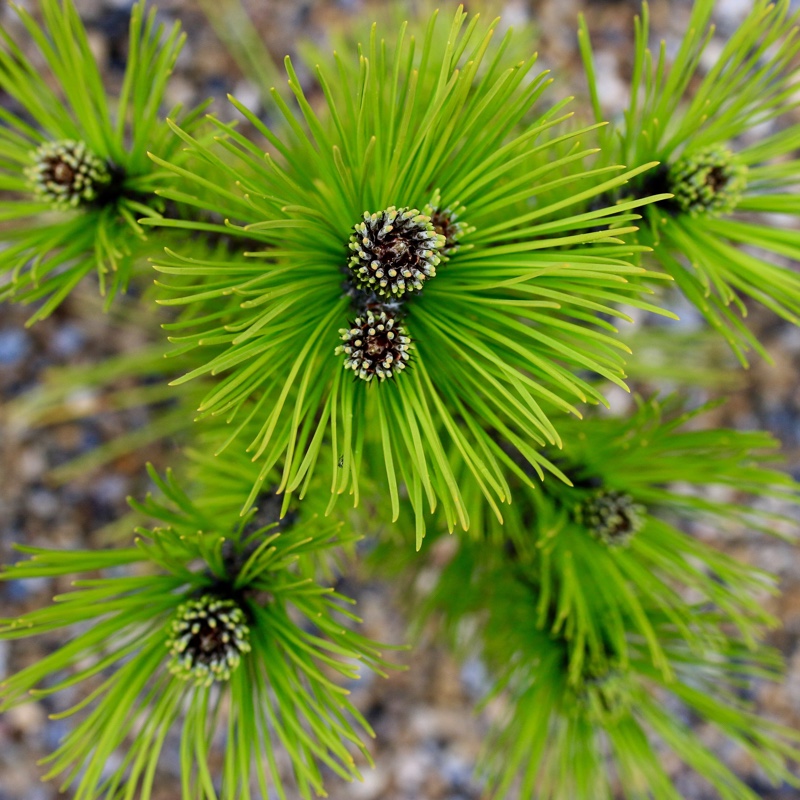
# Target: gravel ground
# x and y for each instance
(428, 736)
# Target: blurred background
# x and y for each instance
(428, 734)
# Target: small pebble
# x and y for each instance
(14, 346)
(67, 340)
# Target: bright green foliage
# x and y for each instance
(407, 290)
(66, 113)
(678, 115)
(290, 635)
(585, 634)
(551, 743)
(505, 325)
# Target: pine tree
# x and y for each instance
(407, 289)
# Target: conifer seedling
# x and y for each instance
(392, 307)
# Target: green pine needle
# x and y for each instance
(50, 244)
(279, 684)
(678, 115)
(506, 325)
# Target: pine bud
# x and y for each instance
(446, 223)
(67, 174)
(604, 696)
(394, 251)
(206, 640)
(374, 345)
(708, 181)
(611, 516)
